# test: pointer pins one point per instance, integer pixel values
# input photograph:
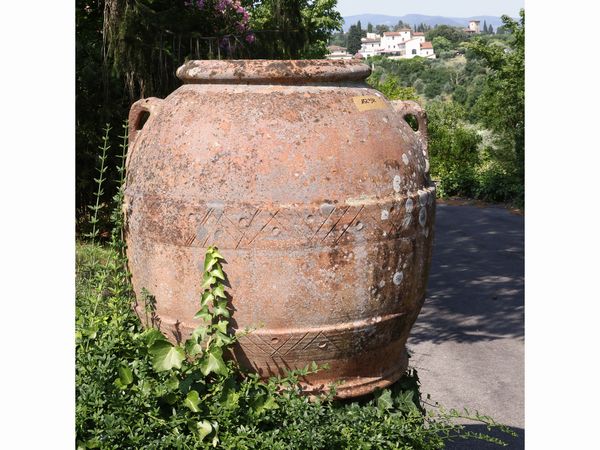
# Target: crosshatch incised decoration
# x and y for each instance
(239, 227)
(322, 343)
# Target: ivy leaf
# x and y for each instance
(263, 403)
(209, 261)
(207, 296)
(146, 387)
(384, 401)
(220, 308)
(201, 429)
(405, 401)
(152, 335)
(213, 362)
(172, 383)
(217, 272)
(222, 326)
(215, 253)
(192, 347)
(219, 291)
(222, 339)
(229, 397)
(207, 281)
(204, 314)
(165, 356)
(192, 400)
(170, 398)
(125, 375)
(186, 384)
(199, 333)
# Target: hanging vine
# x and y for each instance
(143, 40)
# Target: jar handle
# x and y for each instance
(138, 114)
(409, 107)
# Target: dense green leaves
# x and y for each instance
(453, 149)
(293, 29)
(263, 403)
(452, 34)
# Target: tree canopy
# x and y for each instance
(453, 34)
(502, 103)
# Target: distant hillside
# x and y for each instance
(416, 19)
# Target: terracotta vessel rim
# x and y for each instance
(272, 71)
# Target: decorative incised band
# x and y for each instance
(324, 343)
(239, 226)
(318, 343)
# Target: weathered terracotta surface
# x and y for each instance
(317, 193)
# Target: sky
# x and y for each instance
(448, 8)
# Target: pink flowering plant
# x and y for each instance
(222, 18)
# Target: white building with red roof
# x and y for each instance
(400, 44)
(427, 50)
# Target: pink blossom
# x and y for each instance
(250, 38)
(220, 6)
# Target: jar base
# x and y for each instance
(359, 386)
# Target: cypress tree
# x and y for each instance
(354, 35)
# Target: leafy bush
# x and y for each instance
(442, 44)
(453, 150)
(498, 179)
(392, 88)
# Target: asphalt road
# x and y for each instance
(467, 344)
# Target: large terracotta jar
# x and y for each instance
(316, 191)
